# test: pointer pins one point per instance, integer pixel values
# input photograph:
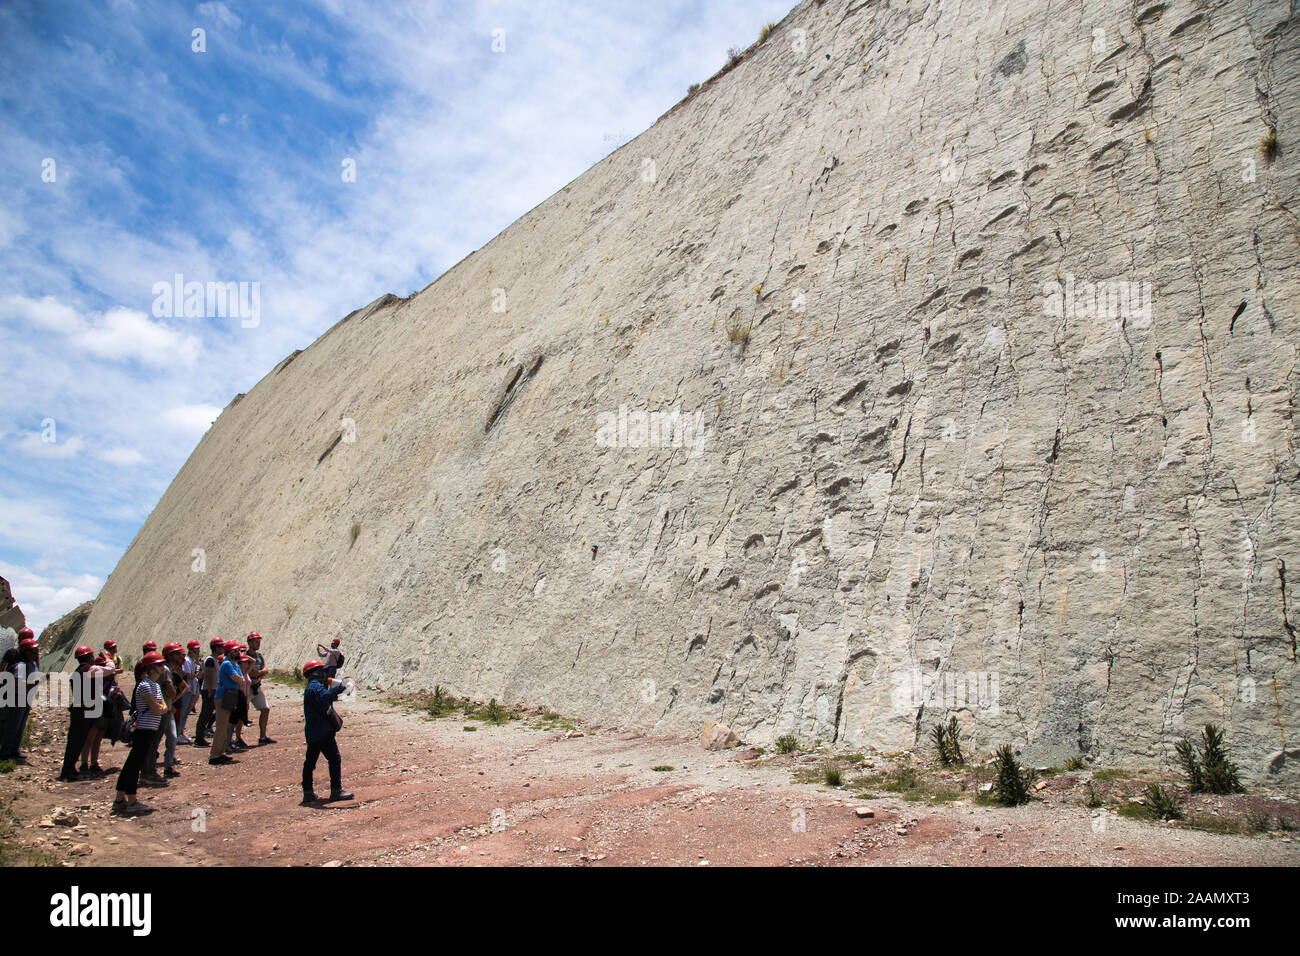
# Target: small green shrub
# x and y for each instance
(1258, 821)
(832, 775)
(1091, 797)
(1163, 805)
(1191, 767)
(1213, 824)
(7, 766)
(787, 745)
(692, 89)
(662, 768)
(1210, 770)
(766, 31)
(939, 737)
(1011, 788)
(1074, 763)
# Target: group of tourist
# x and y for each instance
(169, 685)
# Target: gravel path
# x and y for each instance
(428, 792)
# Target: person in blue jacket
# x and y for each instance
(319, 729)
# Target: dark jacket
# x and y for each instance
(316, 701)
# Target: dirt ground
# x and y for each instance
(429, 792)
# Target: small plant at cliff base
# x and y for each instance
(939, 735)
(1190, 765)
(1210, 771)
(764, 33)
(1163, 805)
(494, 713)
(1074, 763)
(947, 743)
(954, 742)
(1011, 788)
(833, 776)
(1091, 798)
(787, 745)
(1258, 821)
(1220, 772)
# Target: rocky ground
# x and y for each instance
(540, 791)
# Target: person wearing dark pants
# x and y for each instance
(320, 725)
(26, 677)
(207, 691)
(87, 705)
(149, 709)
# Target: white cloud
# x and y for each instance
(122, 456)
(47, 312)
(32, 445)
(192, 419)
(219, 12)
(127, 334)
(118, 334)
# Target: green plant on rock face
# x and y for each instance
(1074, 763)
(356, 531)
(1220, 772)
(693, 88)
(939, 736)
(947, 743)
(1268, 145)
(737, 333)
(764, 33)
(787, 745)
(1190, 765)
(1210, 771)
(1011, 788)
(1163, 805)
(954, 741)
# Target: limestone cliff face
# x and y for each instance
(980, 328)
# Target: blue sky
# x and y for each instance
(130, 157)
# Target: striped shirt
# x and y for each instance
(144, 719)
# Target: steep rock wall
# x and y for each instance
(915, 459)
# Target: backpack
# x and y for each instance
(339, 663)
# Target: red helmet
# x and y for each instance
(101, 659)
(230, 645)
(312, 665)
(172, 647)
(28, 643)
(153, 657)
(150, 646)
(193, 645)
(25, 633)
(334, 643)
(243, 657)
(81, 653)
(110, 645)
(254, 634)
